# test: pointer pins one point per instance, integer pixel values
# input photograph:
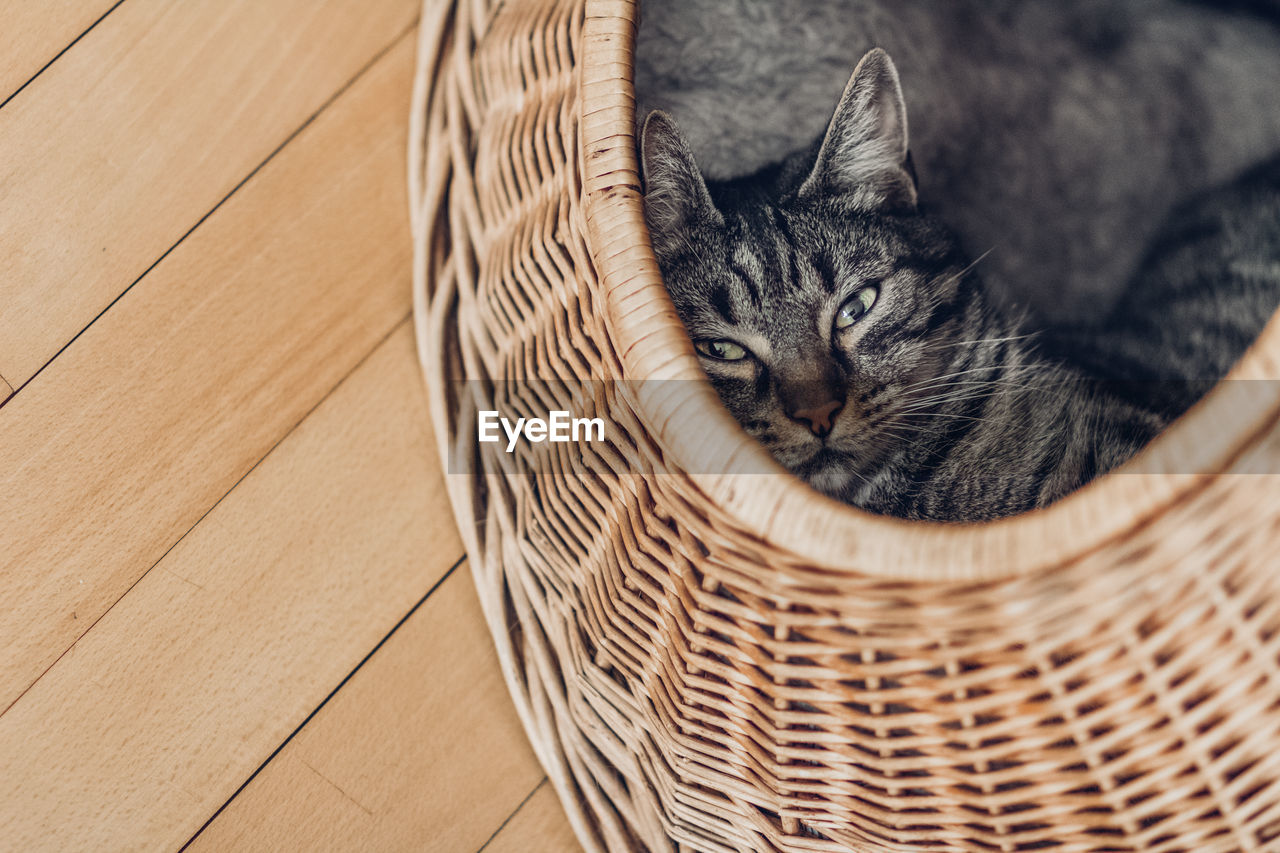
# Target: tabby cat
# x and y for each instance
(847, 331)
(1210, 282)
(1058, 134)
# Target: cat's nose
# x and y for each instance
(821, 418)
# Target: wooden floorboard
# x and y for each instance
(231, 592)
(421, 750)
(119, 148)
(159, 713)
(175, 393)
(538, 826)
(36, 32)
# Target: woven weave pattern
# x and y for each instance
(729, 662)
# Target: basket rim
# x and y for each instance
(781, 508)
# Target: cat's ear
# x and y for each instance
(675, 195)
(863, 157)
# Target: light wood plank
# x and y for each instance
(421, 750)
(156, 716)
(111, 155)
(34, 33)
(171, 397)
(538, 827)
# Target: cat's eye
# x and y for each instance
(857, 307)
(722, 350)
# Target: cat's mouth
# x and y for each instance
(829, 471)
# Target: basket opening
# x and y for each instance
(699, 434)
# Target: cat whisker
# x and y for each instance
(957, 383)
(941, 390)
(983, 390)
(939, 396)
(980, 342)
(1013, 371)
(942, 399)
(960, 417)
(965, 386)
(962, 273)
(901, 432)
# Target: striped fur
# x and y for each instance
(1096, 117)
(947, 409)
(1210, 283)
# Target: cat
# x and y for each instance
(846, 329)
(1208, 286)
(1057, 135)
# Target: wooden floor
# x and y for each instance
(234, 612)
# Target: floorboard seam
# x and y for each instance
(503, 825)
(412, 610)
(246, 179)
(395, 328)
(59, 54)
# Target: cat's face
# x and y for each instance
(824, 334)
(827, 313)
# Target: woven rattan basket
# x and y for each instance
(710, 659)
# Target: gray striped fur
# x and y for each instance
(1057, 133)
(948, 410)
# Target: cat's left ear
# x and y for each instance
(864, 155)
(676, 198)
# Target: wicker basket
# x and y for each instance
(707, 659)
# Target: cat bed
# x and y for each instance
(707, 657)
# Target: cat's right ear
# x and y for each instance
(675, 195)
(864, 155)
